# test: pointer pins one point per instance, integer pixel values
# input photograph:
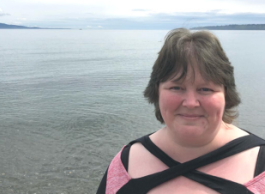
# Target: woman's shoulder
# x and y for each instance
(138, 160)
(133, 150)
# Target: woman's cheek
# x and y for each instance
(215, 106)
(169, 100)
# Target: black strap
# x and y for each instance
(103, 184)
(125, 156)
(213, 182)
(260, 165)
(139, 185)
(216, 183)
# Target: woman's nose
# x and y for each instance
(191, 100)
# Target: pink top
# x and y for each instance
(257, 184)
(118, 176)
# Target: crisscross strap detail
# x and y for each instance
(218, 184)
(188, 169)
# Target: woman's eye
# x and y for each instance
(206, 90)
(175, 88)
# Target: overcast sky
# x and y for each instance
(131, 14)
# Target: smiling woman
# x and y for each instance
(199, 150)
(192, 108)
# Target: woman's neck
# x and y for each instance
(185, 152)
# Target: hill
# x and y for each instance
(233, 27)
(6, 26)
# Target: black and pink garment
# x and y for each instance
(117, 180)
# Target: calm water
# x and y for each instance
(69, 100)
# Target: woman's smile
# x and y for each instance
(190, 117)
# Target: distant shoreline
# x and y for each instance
(7, 26)
(233, 27)
(224, 27)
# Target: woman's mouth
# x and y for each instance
(190, 116)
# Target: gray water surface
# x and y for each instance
(70, 99)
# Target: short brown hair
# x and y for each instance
(182, 48)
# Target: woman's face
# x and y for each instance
(192, 108)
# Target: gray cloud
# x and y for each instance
(3, 14)
(160, 21)
(188, 20)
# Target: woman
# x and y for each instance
(199, 150)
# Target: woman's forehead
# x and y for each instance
(192, 74)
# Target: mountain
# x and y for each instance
(6, 26)
(233, 27)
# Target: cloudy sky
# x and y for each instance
(131, 14)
